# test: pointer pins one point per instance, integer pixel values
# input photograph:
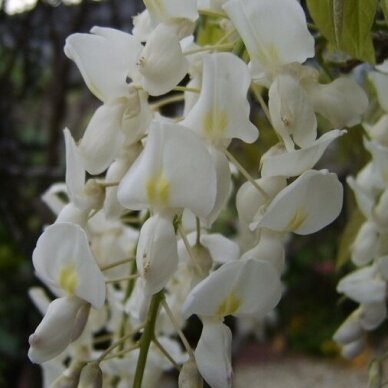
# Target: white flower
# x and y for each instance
(307, 205)
(172, 172)
(222, 110)
(63, 323)
(271, 47)
(63, 260)
(292, 114)
(242, 287)
(156, 254)
(363, 286)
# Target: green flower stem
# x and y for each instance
(147, 337)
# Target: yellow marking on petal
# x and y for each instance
(158, 189)
(229, 305)
(214, 123)
(156, 6)
(268, 56)
(68, 279)
(296, 221)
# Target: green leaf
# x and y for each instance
(346, 24)
(348, 236)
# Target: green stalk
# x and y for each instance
(146, 338)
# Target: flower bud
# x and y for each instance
(189, 376)
(91, 377)
(70, 377)
(203, 261)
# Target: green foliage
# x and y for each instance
(346, 24)
(384, 7)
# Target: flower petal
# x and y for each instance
(307, 205)
(213, 354)
(105, 58)
(63, 258)
(269, 48)
(222, 110)
(295, 162)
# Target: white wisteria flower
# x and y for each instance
(271, 48)
(63, 261)
(298, 207)
(171, 172)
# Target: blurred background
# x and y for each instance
(41, 92)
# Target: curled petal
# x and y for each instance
(295, 162)
(156, 255)
(299, 207)
(56, 330)
(102, 138)
(363, 286)
(242, 287)
(328, 101)
(213, 354)
(62, 257)
(161, 65)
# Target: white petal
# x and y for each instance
(379, 130)
(292, 114)
(102, 138)
(307, 205)
(380, 212)
(270, 248)
(62, 257)
(171, 172)
(224, 183)
(350, 330)
(220, 248)
(269, 48)
(363, 286)
(354, 348)
(295, 162)
(51, 198)
(39, 298)
(365, 200)
(241, 287)
(222, 110)
(379, 158)
(55, 332)
(162, 64)
(116, 171)
(372, 315)
(142, 26)
(364, 247)
(75, 172)
(170, 10)
(105, 58)
(213, 354)
(380, 82)
(156, 255)
(249, 199)
(71, 213)
(382, 265)
(328, 100)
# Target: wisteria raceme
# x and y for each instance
(133, 255)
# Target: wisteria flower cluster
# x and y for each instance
(132, 255)
(367, 284)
